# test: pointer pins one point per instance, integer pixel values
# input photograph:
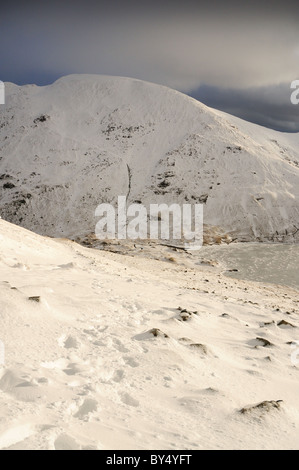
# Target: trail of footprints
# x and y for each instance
(81, 369)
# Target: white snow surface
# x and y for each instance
(144, 346)
(98, 355)
(67, 147)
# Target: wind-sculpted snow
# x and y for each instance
(104, 351)
(86, 139)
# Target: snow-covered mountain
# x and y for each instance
(67, 147)
(160, 349)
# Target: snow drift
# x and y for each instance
(118, 352)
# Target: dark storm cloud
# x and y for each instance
(237, 45)
(268, 106)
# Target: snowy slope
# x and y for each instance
(98, 354)
(86, 139)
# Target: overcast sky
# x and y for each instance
(237, 56)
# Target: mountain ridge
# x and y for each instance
(67, 147)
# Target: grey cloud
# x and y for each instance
(236, 45)
(177, 44)
(268, 106)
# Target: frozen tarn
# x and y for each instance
(262, 262)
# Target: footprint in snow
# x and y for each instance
(88, 406)
(66, 442)
(118, 375)
(130, 361)
(119, 346)
(68, 342)
(129, 400)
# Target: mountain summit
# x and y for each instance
(86, 139)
